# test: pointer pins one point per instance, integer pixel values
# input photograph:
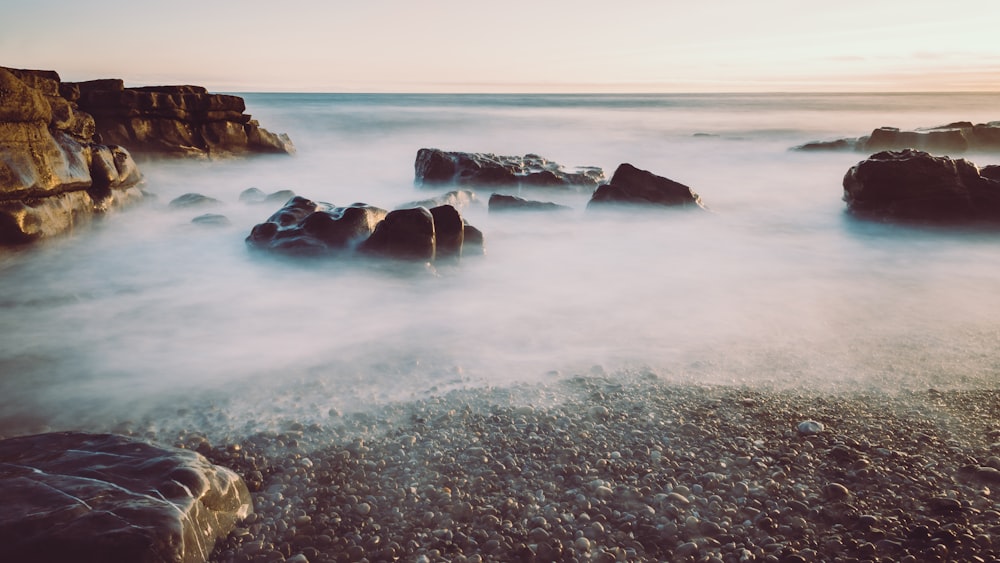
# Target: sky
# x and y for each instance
(512, 45)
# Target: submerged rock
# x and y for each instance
(436, 167)
(954, 137)
(101, 497)
(256, 195)
(501, 202)
(633, 186)
(914, 185)
(189, 200)
(305, 227)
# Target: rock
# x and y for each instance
(306, 227)
(212, 220)
(255, 196)
(181, 120)
(913, 185)
(633, 186)
(189, 200)
(809, 427)
(436, 167)
(954, 137)
(501, 202)
(101, 497)
(53, 176)
(405, 234)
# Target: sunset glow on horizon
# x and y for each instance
(516, 46)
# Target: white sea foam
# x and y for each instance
(775, 286)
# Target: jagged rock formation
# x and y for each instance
(185, 120)
(53, 175)
(632, 186)
(911, 185)
(434, 167)
(307, 228)
(960, 136)
(93, 498)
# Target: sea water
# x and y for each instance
(774, 286)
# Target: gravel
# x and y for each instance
(602, 469)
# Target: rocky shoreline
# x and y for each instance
(637, 469)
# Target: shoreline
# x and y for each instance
(638, 470)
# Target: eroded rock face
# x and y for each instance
(434, 167)
(52, 174)
(955, 137)
(912, 185)
(632, 186)
(93, 498)
(185, 120)
(306, 227)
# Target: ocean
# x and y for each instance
(143, 316)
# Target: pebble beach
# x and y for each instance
(593, 468)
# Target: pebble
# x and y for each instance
(809, 427)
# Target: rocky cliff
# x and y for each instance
(53, 174)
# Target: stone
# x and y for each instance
(405, 234)
(212, 220)
(102, 497)
(435, 167)
(809, 427)
(501, 203)
(956, 137)
(633, 186)
(303, 226)
(913, 185)
(459, 199)
(53, 175)
(255, 196)
(189, 200)
(449, 232)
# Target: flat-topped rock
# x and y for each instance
(434, 167)
(633, 186)
(90, 498)
(502, 203)
(954, 137)
(911, 185)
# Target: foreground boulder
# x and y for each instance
(173, 120)
(960, 136)
(92, 498)
(305, 227)
(632, 186)
(912, 185)
(435, 167)
(53, 174)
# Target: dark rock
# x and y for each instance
(991, 172)
(630, 185)
(959, 136)
(306, 227)
(190, 200)
(406, 234)
(501, 202)
(255, 195)
(436, 167)
(303, 226)
(913, 185)
(212, 220)
(475, 242)
(94, 498)
(53, 176)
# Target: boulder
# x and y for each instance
(459, 199)
(632, 186)
(306, 227)
(913, 185)
(502, 202)
(956, 137)
(256, 195)
(434, 167)
(92, 498)
(53, 175)
(190, 200)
